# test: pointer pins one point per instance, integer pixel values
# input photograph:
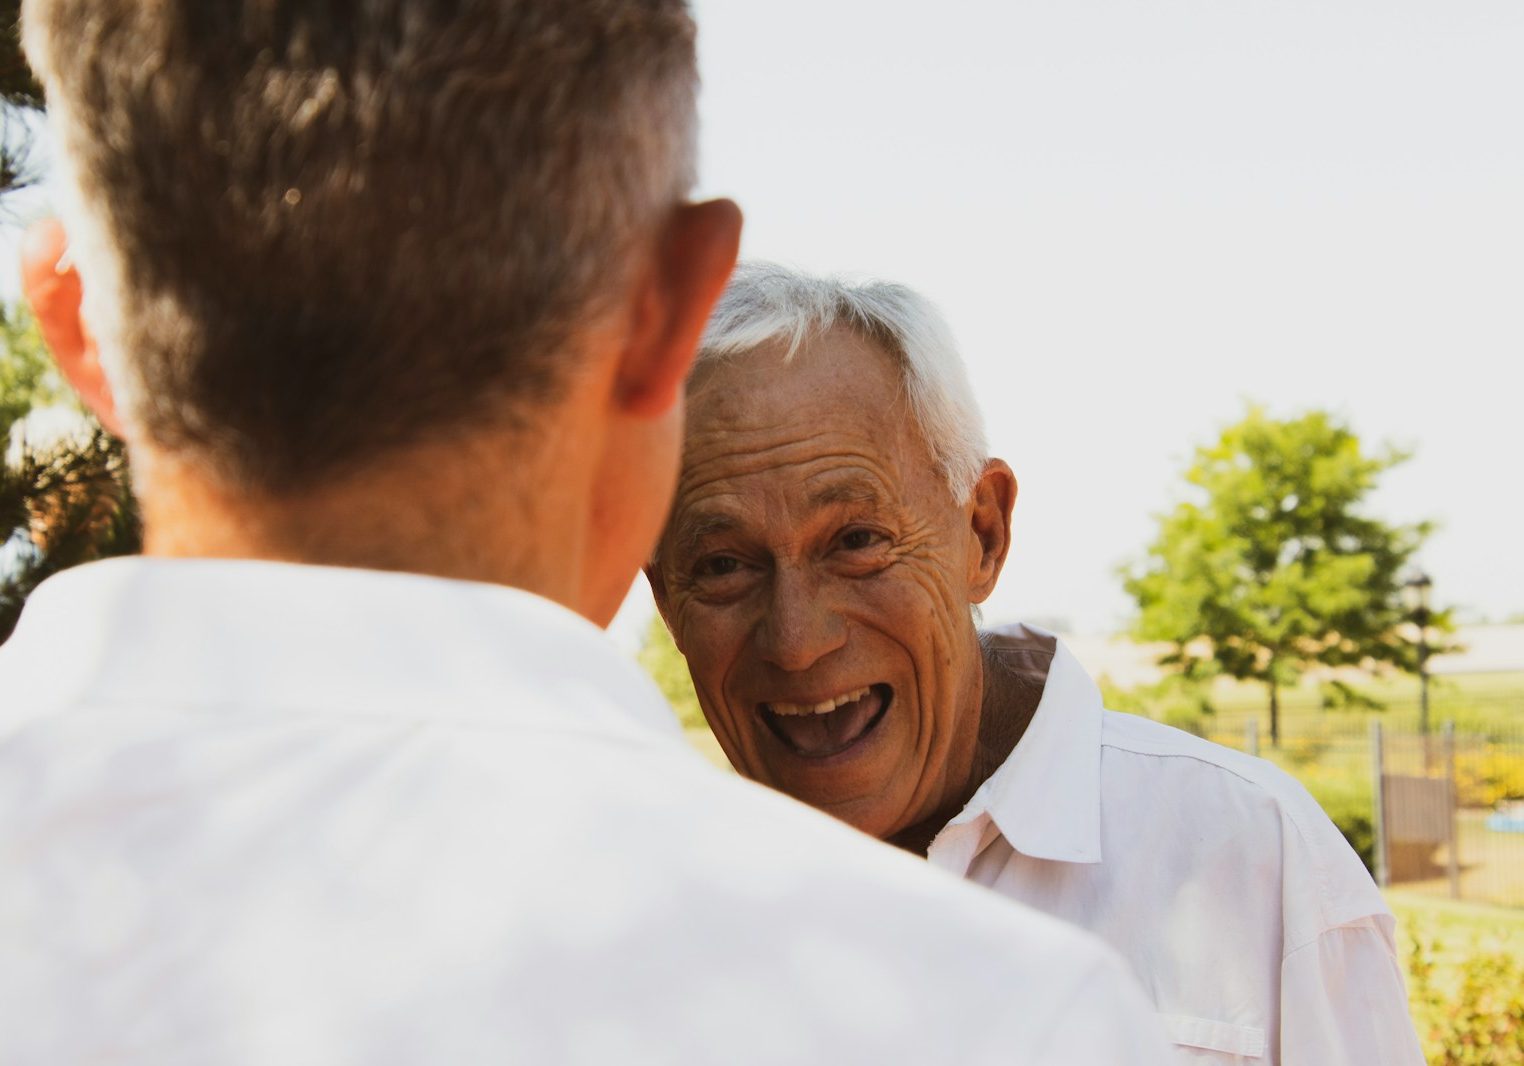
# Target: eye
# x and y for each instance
(856, 540)
(716, 566)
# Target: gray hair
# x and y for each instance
(766, 303)
(312, 232)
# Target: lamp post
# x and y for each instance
(1416, 589)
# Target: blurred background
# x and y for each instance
(1170, 238)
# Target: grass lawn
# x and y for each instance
(1460, 927)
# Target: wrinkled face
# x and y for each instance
(817, 574)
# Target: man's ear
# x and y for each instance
(55, 293)
(693, 261)
(989, 519)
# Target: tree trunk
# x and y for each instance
(1275, 714)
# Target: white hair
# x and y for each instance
(766, 303)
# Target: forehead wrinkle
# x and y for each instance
(703, 466)
(860, 487)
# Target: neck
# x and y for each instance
(484, 508)
(1006, 707)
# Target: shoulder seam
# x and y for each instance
(1348, 923)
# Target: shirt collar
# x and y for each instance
(1046, 797)
(280, 636)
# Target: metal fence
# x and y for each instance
(1445, 809)
(1449, 819)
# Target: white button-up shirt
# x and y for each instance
(1247, 916)
(260, 813)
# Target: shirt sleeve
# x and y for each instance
(1105, 1022)
(1343, 1001)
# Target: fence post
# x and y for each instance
(1453, 848)
(1251, 736)
(1378, 815)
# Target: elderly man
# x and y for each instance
(836, 519)
(409, 289)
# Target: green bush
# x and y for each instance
(1174, 700)
(1486, 778)
(1470, 1011)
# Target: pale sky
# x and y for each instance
(1137, 217)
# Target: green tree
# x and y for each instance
(1271, 566)
(62, 502)
(20, 98)
(28, 378)
(18, 86)
(66, 501)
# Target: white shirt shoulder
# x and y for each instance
(254, 813)
(1256, 803)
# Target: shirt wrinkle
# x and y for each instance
(1203, 896)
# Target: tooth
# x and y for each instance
(823, 707)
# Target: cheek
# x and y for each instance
(921, 611)
(713, 644)
(918, 608)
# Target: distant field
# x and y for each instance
(1476, 702)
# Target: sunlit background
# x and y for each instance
(1140, 217)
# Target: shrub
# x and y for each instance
(1487, 777)
(1476, 1017)
(1304, 750)
(1174, 700)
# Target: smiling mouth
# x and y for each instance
(818, 731)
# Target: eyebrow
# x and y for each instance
(694, 529)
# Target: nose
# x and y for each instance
(801, 626)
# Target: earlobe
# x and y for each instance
(989, 513)
(692, 264)
(54, 290)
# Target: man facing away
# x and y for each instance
(837, 515)
(393, 303)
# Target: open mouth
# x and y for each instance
(820, 730)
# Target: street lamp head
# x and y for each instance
(1416, 590)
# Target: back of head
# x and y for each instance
(313, 232)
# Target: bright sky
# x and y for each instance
(1138, 217)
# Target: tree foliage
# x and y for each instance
(19, 95)
(18, 86)
(1271, 566)
(63, 501)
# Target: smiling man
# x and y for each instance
(837, 668)
(836, 520)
